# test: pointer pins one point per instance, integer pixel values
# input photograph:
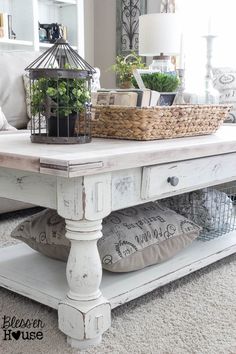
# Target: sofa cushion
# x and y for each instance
(12, 94)
(133, 238)
(4, 125)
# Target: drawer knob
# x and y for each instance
(173, 180)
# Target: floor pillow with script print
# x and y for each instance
(44, 232)
(133, 238)
(140, 236)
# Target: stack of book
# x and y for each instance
(126, 97)
(6, 26)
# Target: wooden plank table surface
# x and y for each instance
(103, 155)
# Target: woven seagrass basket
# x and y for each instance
(160, 122)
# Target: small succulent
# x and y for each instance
(124, 66)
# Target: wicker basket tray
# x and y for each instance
(160, 122)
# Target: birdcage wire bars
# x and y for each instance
(60, 90)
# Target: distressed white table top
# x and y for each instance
(103, 155)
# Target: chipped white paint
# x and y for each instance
(84, 314)
(85, 183)
(126, 187)
(47, 282)
(28, 187)
(69, 198)
(191, 174)
(97, 196)
(106, 155)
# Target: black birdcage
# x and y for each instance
(60, 90)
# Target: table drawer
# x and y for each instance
(179, 177)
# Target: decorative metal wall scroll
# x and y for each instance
(128, 12)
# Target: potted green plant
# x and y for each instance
(165, 83)
(124, 67)
(59, 98)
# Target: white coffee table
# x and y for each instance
(85, 183)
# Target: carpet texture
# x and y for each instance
(193, 315)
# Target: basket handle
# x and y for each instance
(129, 56)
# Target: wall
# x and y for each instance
(105, 36)
(89, 31)
(105, 39)
(153, 6)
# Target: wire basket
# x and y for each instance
(159, 122)
(212, 208)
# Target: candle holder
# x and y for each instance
(179, 98)
(211, 95)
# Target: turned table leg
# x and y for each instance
(84, 314)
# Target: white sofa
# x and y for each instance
(12, 101)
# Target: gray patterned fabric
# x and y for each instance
(167, 6)
(140, 236)
(224, 80)
(133, 238)
(209, 208)
(45, 233)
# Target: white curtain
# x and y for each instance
(204, 17)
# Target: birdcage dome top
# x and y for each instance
(61, 60)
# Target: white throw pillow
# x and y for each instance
(4, 125)
(133, 238)
(12, 95)
(224, 80)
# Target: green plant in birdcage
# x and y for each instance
(69, 95)
(124, 67)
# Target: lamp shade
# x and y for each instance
(159, 33)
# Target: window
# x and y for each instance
(204, 17)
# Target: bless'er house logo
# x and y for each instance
(24, 329)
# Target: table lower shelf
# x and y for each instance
(28, 273)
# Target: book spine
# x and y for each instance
(143, 98)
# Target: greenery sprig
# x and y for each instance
(124, 66)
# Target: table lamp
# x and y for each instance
(159, 37)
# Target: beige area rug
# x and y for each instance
(194, 315)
